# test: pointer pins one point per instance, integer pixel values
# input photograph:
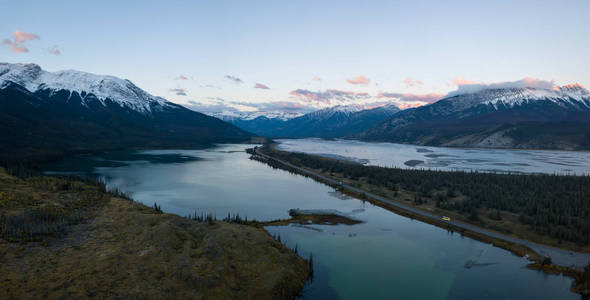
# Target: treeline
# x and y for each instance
(558, 206)
(33, 207)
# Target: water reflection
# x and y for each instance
(387, 257)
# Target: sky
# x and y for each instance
(303, 55)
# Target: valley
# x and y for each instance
(307, 150)
(383, 245)
(185, 163)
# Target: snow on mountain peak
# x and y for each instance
(122, 91)
(575, 95)
(518, 96)
(344, 109)
(233, 115)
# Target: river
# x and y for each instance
(449, 159)
(386, 257)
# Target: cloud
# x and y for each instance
(234, 79)
(410, 82)
(287, 106)
(573, 86)
(179, 91)
(181, 77)
(407, 105)
(317, 79)
(14, 48)
(261, 86)
(210, 105)
(54, 51)
(465, 86)
(211, 86)
(328, 95)
(19, 38)
(217, 104)
(409, 97)
(359, 80)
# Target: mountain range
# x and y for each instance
(525, 117)
(332, 122)
(44, 114)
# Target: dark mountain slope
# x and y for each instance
(331, 122)
(49, 122)
(510, 118)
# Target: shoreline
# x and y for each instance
(111, 246)
(277, 142)
(519, 249)
(432, 146)
(273, 147)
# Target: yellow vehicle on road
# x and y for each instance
(445, 218)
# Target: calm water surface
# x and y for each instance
(421, 157)
(387, 257)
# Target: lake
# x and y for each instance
(387, 257)
(440, 158)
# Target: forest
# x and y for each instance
(554, 205)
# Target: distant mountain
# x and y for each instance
(496, 118)
(44, 113)
(247, 116)
(337, 121)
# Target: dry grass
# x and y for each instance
(122, 249)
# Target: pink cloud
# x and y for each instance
(465, 86)
(428, 98)
(261, 86)
(410, 82)
(359, 80)
(408, 105)
(317, 79)
(573, 86)
(305, 94)
(54, 51)
(14, 48)
(21, 37)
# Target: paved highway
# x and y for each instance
(558, 256)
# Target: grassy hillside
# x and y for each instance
(64, 238)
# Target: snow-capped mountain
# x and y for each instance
(334, 121)
(247, 115)
(343, 110)
(52, 113)
(501, 117)
(569, 95)
(103, 87)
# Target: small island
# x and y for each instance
(313, 216)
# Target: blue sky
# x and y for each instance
(409, 52)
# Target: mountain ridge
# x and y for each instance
(336, 121)
(38, 120)
(495, 118)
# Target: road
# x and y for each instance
(558, 256)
